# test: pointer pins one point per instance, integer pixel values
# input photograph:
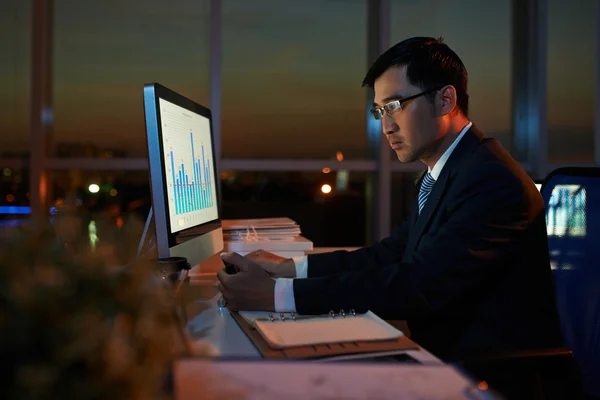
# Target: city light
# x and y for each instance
(341, 180)
(326, 170)
(93, 188)
(326, 188)
(113, 192)
(339, 156)
(15, 210)
(92, 233)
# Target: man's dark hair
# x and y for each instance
(430, 64)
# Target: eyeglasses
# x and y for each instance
(396, 105)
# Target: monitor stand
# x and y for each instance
(196, 250)
(144, 234)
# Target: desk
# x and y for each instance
(207, 321)
(267, 380)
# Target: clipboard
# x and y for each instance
(321, 350)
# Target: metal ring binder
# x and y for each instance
(295, 317)
(318, 351)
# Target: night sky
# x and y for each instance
(291, 70)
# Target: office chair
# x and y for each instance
(572, 198)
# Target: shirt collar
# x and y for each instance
(437, 168)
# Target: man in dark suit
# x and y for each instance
(469, 270)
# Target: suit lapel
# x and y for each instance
(467, 145)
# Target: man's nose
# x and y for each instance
(388, 126)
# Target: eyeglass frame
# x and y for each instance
(377, 112)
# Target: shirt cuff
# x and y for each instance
(284, 295)
(301, 263)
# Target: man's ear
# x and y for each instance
(446, 100)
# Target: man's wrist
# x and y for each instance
(288, 268)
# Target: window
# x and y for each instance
(14, 191)
(110, 206)
(15, 71)
(101, 192)
(480, 33)
(329, 206)
(292, 79)
(571, 77)
(104, 52)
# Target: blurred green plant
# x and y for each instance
(77, 322)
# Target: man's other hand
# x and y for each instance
(278, 267)
(250, 289)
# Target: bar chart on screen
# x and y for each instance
(189, 167)
(191, 191)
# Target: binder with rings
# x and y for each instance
(290, 316)
(292, 336)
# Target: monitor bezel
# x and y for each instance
(156, 92)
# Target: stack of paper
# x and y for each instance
(265, 228)
(276, 235)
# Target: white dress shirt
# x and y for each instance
(284, 287)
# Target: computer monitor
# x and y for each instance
(183, 176)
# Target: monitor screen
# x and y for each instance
(189, 167)
(183, 175)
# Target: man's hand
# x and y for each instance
(250, 289)
(278, 267)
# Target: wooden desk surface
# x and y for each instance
(274, 380)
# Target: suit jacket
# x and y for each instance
(470, 274)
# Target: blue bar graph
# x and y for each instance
(174, 182)
(192, 190)
(180, 190)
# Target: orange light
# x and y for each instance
(326, 189)
(10, 198)
(326, 170)
(119, 222)
(113, 192)
(483, 385)
(339, 156)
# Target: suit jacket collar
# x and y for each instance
(466, 146)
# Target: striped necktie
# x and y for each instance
(426, 187)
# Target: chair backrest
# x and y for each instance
(572, 199)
